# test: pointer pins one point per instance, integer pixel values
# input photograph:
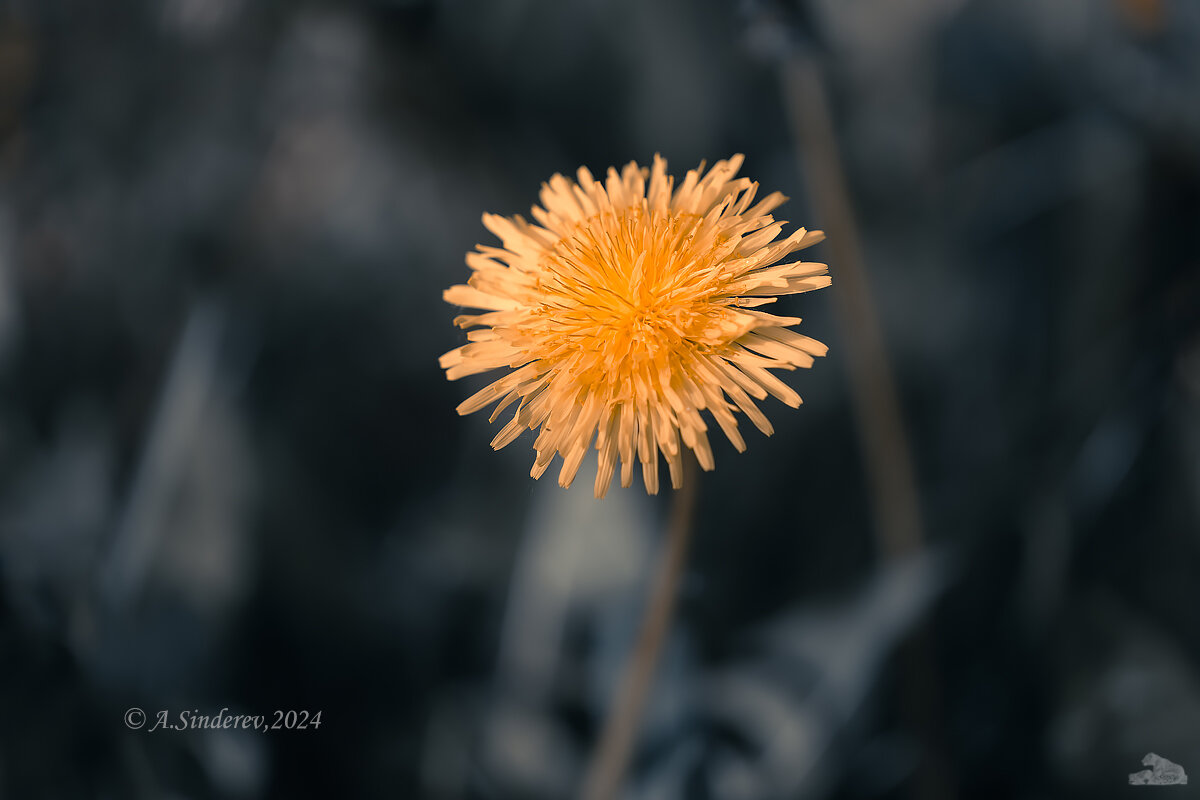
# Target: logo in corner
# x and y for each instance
(1161, 773)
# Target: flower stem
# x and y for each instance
(606, 771)
(882, 438)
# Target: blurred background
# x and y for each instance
(231, 474)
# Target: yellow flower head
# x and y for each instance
(628, 309)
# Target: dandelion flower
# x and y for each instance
(631, 306)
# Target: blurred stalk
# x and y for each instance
(606, 771)
(882, 439)
(873, 392)
(176, 426)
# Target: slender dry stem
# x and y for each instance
(876, 406)
(885, 447)
(610, 760)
